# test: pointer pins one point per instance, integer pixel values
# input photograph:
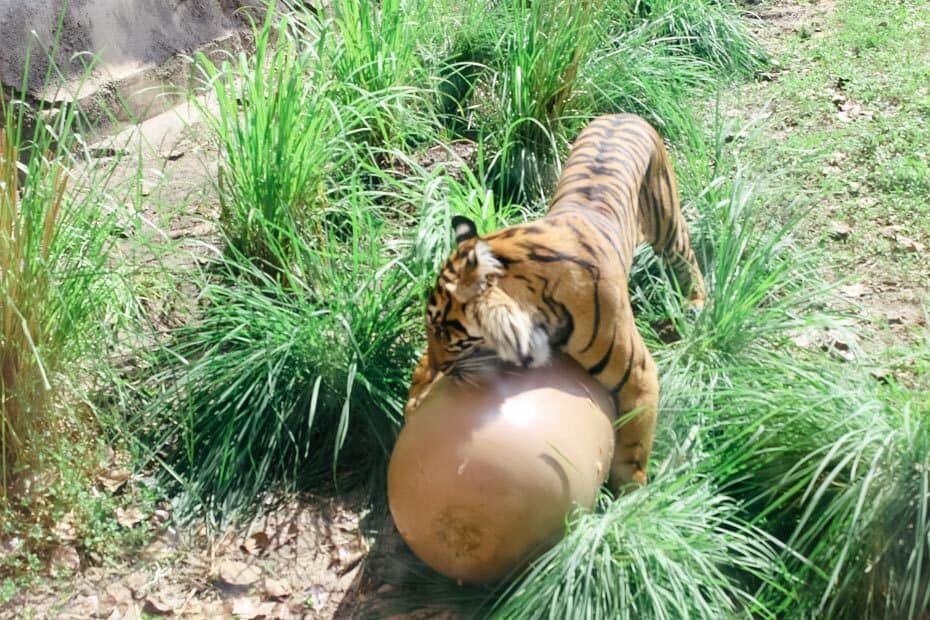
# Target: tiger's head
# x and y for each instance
(469, 316)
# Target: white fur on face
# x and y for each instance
(480, 266)
(510, 330)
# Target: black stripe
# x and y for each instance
(575, 176)
(599, 367)
(506, 261)
(597, 317)
(655, 214)
(561, 257)
(629, 368)
(456, 325)
(507, 233)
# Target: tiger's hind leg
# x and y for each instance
(664, 227)
(637, 408)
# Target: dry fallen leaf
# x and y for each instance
(128, 517)
(63, 559)
(275, 588)
(113, 479)
(248, 607)
(909, 244)
(840, 347)
(84, 606)
(850, 110)
(347, 521)
(239, 574)
(138, 583)
(256, 544)
(212, 609)
(806, 338)
(118, 594)
(157, 550)
(891, 231)
(65, 530)
(838, 158)
(895, 318)
(155, 604)
(840, 231)
(159, 517)
(853, 290)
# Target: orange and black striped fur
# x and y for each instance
(561, 281)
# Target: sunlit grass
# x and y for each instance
(284, 375)
(281, 136)
(62, 301)
(676, 549)
(713, 31)
(56, 287)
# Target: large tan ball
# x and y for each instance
(483, 475)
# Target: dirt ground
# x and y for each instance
(309, 556)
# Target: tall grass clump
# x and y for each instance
(632, 71)
(373, 53)
(439, 196)
(532, 89)
(289, 379)
(463, 47)
(675, 549)
(376, 43)
(713, 31)
(807, 446)
(60, 305)
(56, 288)
(281, 135)
(837, 474)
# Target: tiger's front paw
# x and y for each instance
(418, 393)
(411, 406)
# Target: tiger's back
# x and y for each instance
(619, 168)
(561, 281)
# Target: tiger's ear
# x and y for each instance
(464, 228)
(475, 275)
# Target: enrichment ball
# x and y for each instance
(484, 473)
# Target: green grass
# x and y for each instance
(869, 172)
(677, 549)
(62, 298)
(712, 31)
(284, 376)
(786, 482)
(542, 51)
(835, 471)
(281, 136)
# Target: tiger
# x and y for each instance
(561, 282)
